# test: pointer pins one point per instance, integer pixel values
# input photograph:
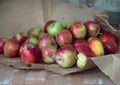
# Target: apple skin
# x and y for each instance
(20, 37)
(64, 37)
(46, 40)
(109, 42)
(78, 30)
(47, 25)
(93, 28)
(69, 24)
(65, 56)
(2, 43)
(29, 53)
(54, 28)
(78, 42)
(96, 47)
(48, 53)
(34, 31)
(11, 48)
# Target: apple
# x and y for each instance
(65, 56)
(82, 59)
(92, 27)
(64, 37)
(46, 40)
(29, 53)
(69, 24)
(47, 25)
(2, 43)
(34, 31)
(20, 37)
(48, 53)
(96, 47)
(78, 42)
(32, 40)
(11, 48)
(78, 30)
(54, 28)
(109, 42)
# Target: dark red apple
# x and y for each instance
(64, 37)
(78, 42)
(2, 43)
(29, 53)
(20, 37)
(92, 27)
(46, 40)
(65, 56)
(11, 48)
(48, 54)
(48, 24)
(109, 42)
(78, 30)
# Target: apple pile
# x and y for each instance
(69, 45)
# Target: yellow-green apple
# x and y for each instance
(54, 28)
(2, 43)
(46, 40)
(82, 59)
(109, 42)
(78, 30)
(47, 24)
(64, 37)
(66, 56)
(34, 31)
(11, 48)
(29, 53)
(48, 54)
(96, 47)
(92, 27)
(20, 37)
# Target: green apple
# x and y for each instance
(54, 28)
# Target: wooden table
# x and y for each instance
(12, 76)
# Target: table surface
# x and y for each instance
(12, 76)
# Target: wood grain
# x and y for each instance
(12, 76)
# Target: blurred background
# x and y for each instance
(112, 7)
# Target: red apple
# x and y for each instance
(78, 30)
(96, 47)
(32, 40)
(109, 42)
(48, 53)
(29, 53)
(46, 40)
(78, 42)
(2, 43)
(20, 37)
(11, 48)
(64, 37)
(92, 27)
(65, 56)
(47, 25)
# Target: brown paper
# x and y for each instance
(19, 15)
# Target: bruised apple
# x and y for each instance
(66, 56)
(48, 54)
(64, 37)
